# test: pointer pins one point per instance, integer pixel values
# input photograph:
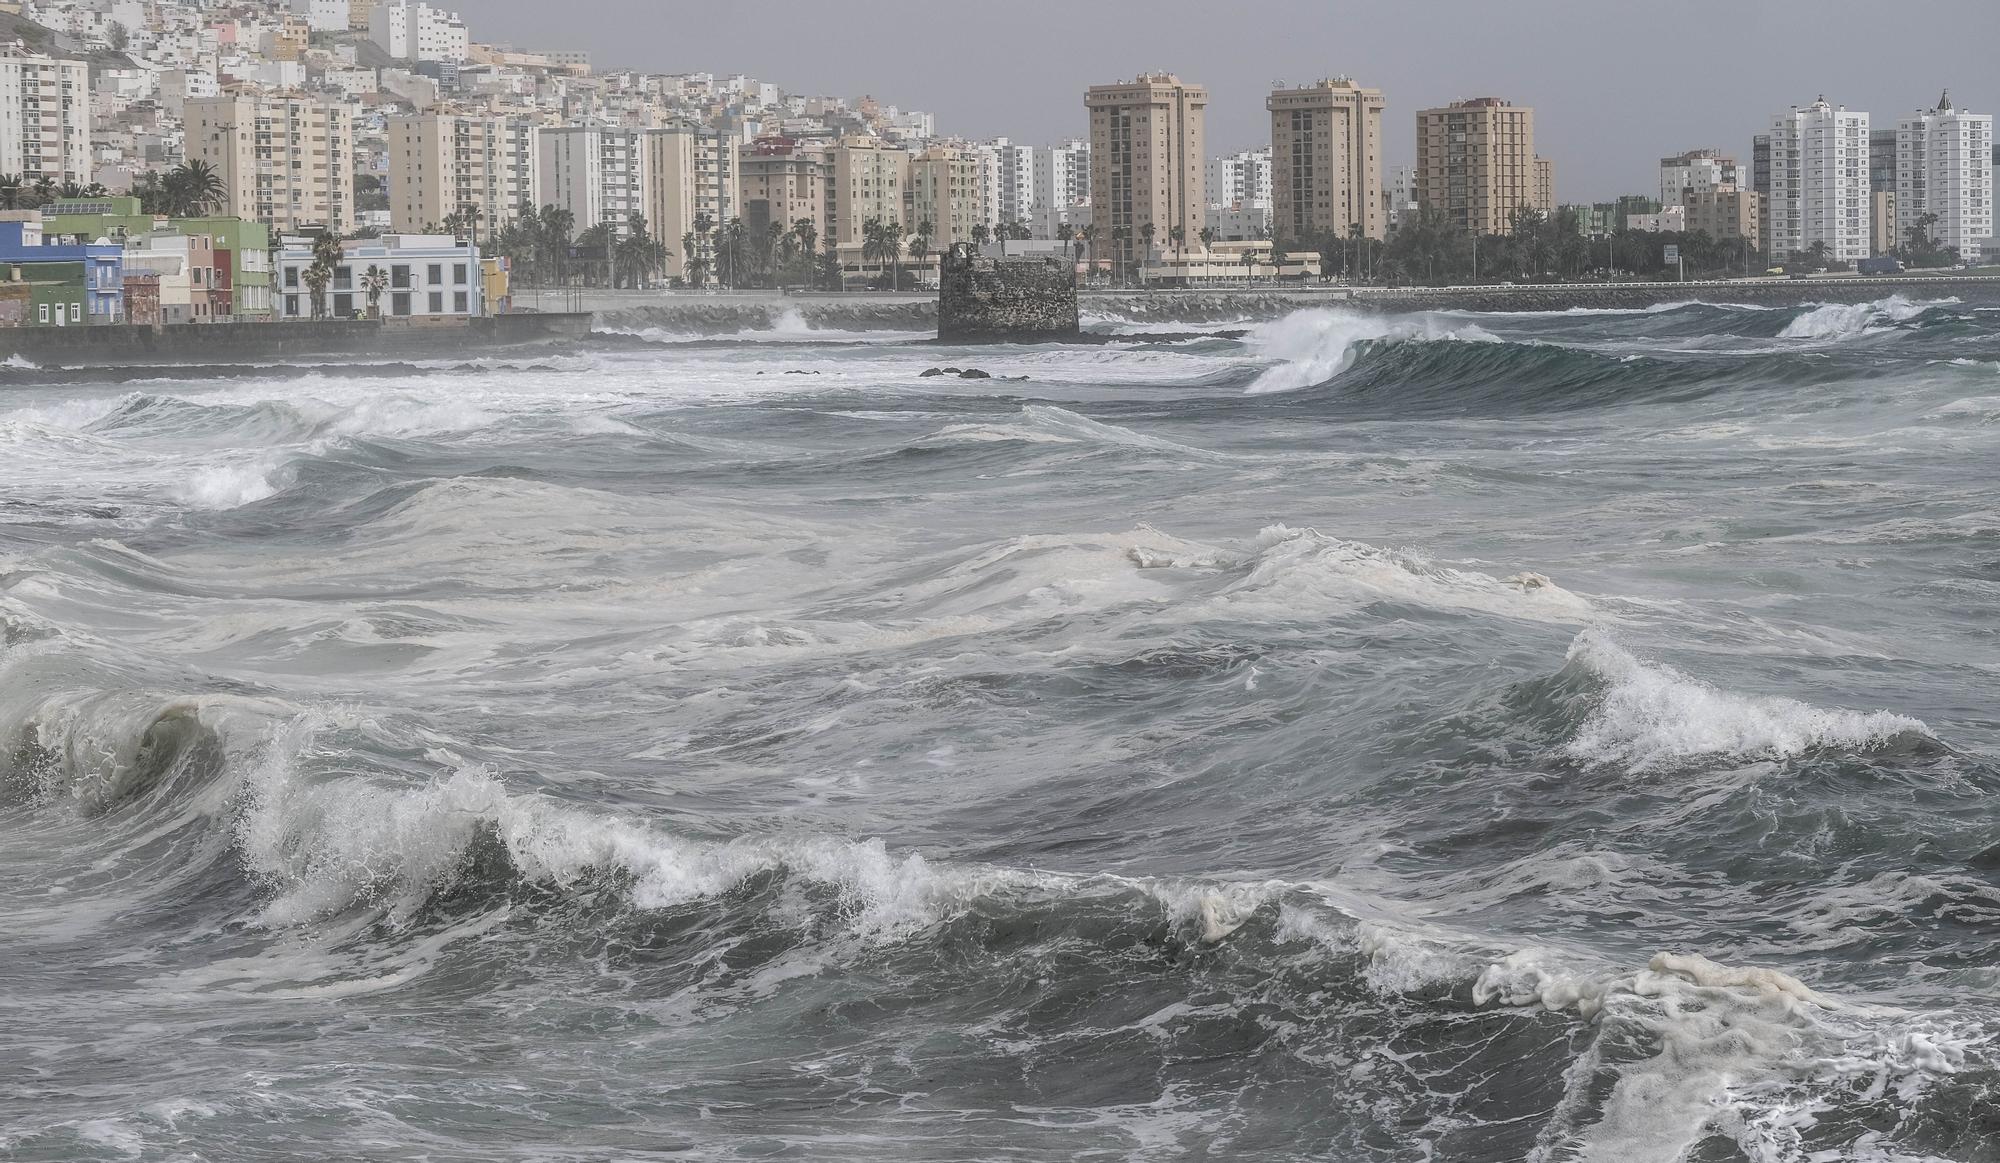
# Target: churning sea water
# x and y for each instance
(1463, 737)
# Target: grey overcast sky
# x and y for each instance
(1615, 86)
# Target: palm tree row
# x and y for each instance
(189, 190)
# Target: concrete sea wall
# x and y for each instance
(256, 342)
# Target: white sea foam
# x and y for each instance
(1840, 320)
(1654, 716)
(1291, 570)
(228, 486)
(1747, 1051)
(1315, 345)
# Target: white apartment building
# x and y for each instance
(1702, 170)
(322, 15)
(1819, 182)
(1240, 178)
(1013, 192)
(1944, 166)
(1399, 196)
(418, 32)
(596, 173)
(428, 274)
(44, 117)
(1062, 187)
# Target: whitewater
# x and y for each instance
(1454, 736)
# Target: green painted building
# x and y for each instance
(47, 294)
(248, 243)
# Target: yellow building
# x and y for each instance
(442, 164)
(284, 158)
(496, 285)
(870, 179)
(687, 172)
(1326, 160)
(1146, 156)
(947, 190)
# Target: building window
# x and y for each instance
(458, 303)
(399, 303)
(458, 274)
(291, 276)
(45, 312)
(437, 302)
(399, 276)
(292, 305)
(437, 273)
(76, 312)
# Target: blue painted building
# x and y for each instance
(101, 265)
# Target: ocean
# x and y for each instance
(1456, 736)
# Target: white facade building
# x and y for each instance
(418, 32)
(597, 174)
(428, 274)
(1062, 188)
(1819, 182)
(44, 117)
(1701, 170)
(1944, 166)
(1239, 178)
(1013, 197)
(322, 15)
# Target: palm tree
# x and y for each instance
(194, 189)
(374, 281)
(638, 256)
(552, 241)
(316, 278)
(920, 243)
(694, 261)
(1087, 240)
(980, 234)
(10, 189)
(1177, 234)
(1249, 265)
(1207, 237)
(1119, 236)
(808, 235)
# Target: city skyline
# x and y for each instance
(1536, 53)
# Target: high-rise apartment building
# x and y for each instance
(1326, 160)
(284, 158)
(1819, 182)
(1145, 163)
(444, 164)
(595, 172)
(1399, 196)
(869, 180)
(1545, 184)
(1013, 193)
(44, 117)
(1700, 170)
(1062, 189)
(687, 172)
(1944, 168)
(784, 180)
(947, 191)
(1476, 163)
(1239, 179)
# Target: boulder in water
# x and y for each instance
(973, 373)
